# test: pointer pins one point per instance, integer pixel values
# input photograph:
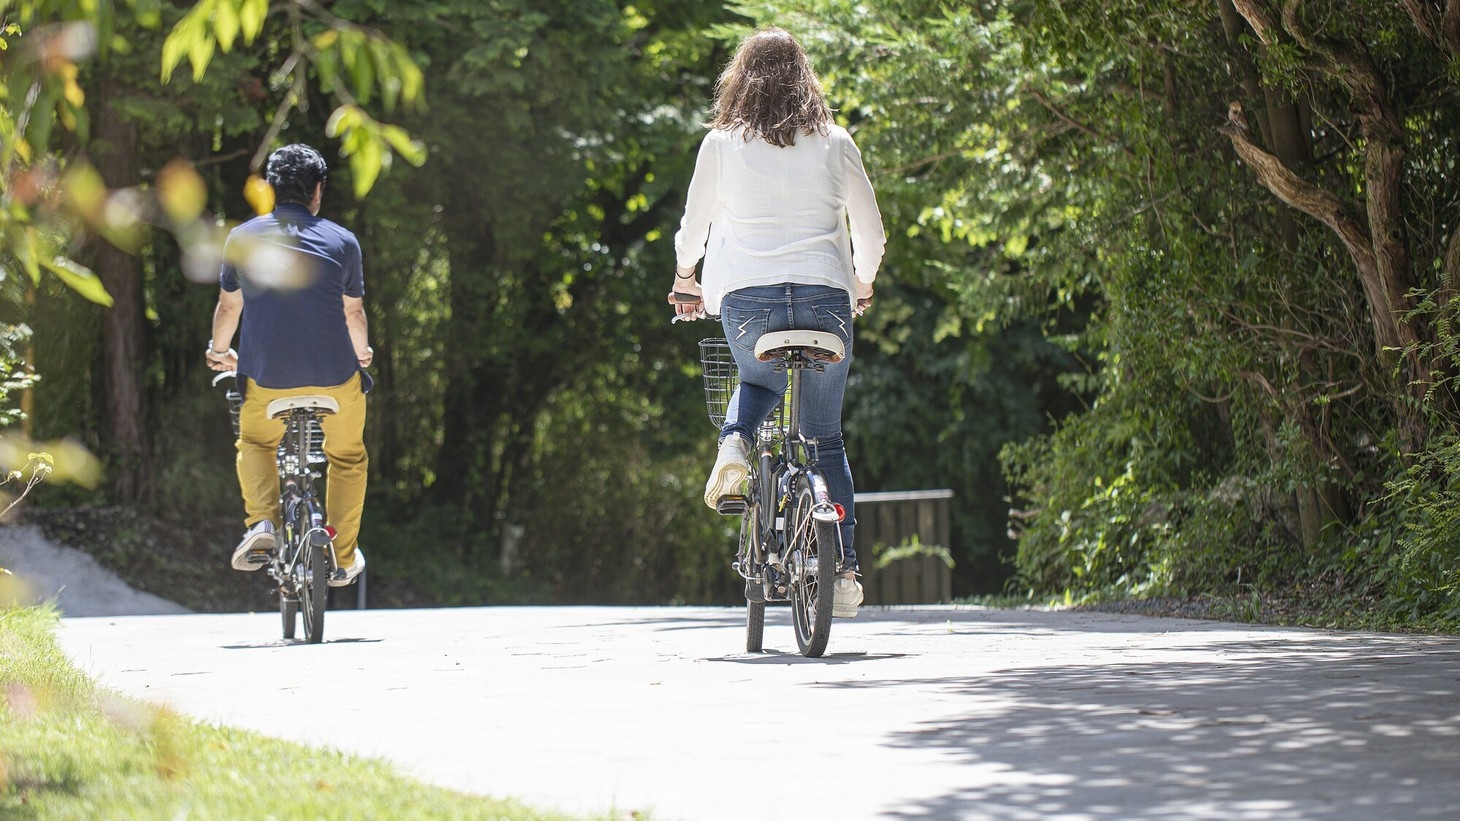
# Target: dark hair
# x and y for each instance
(770, 90)
(293, 171)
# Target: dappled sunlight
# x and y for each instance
(1259, 736)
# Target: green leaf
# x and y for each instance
(251, 16)
(80, 279)
(26, 251)
(225, 24)
(343, 120)
(188, 39)
(411, 150)
(199, 55)
(366, 162)
(174, 48)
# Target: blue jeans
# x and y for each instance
(750, 312)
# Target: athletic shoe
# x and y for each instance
(258, 543)
(346, 575)
(732, 467)
(846, 596)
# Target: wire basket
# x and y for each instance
(722, 377)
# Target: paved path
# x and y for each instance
(920, 713)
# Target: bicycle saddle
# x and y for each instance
(818, 345)
(318, 404)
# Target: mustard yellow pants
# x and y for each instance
(344, 446)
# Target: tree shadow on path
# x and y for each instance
(1341, 726)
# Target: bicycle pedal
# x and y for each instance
(730, 505)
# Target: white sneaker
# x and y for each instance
(846, 595)
(346, 575)
(253, 552)
(732, 467)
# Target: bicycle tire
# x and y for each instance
(311, 575)
(288, 610)
(811, 592)
(753, 556)
(311, 571)
(754, 626)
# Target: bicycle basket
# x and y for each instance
(722, 377)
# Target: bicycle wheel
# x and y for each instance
(288, 609)
(752, 555)
(311, 575)
(812, 556)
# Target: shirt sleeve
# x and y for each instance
(868, 238)
(354, 267)
(700, 205)
(228, 274)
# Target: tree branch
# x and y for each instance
(1298, 192)
(1260, 18)
(1439, 24)
(1075, 124)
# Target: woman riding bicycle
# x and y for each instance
(782, 213)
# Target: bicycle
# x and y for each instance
(790, 545)
(304, 554)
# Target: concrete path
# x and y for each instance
(920, 713)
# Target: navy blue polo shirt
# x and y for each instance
(294, 269)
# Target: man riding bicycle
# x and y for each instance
(292, 285)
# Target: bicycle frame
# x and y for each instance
(785, 454)
(299, 505)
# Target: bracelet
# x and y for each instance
(223, 352)
(678, 275)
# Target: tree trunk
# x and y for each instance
(1373, 233)
(113, 150)
(1282, 121)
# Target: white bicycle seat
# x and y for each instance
(819, 345)
(318, 404)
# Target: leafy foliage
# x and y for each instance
(1167, 299)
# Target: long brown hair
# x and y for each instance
(770, 90)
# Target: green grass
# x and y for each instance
(69, 749)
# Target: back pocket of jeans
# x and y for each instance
(744, 326)
(835, 319)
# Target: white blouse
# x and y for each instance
(762, 215)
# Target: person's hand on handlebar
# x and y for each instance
(221, 360)
(686, 296)
(864, 296)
